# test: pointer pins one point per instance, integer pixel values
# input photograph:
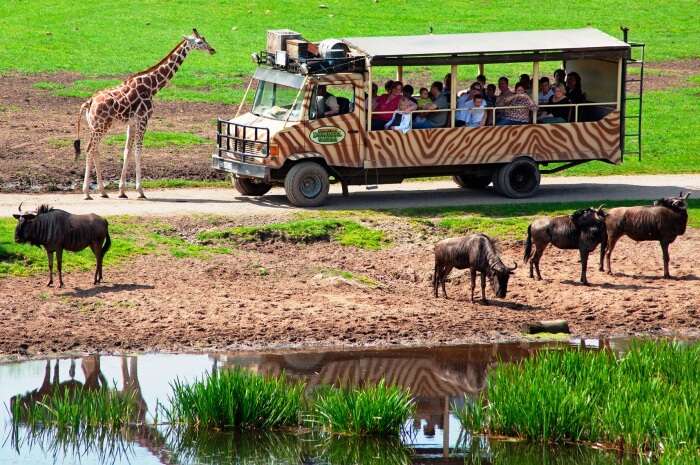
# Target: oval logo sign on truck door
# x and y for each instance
(326, 135)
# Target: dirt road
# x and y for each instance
(409, 194)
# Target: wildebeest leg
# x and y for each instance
(667, 259)
(483, 287)
(97, 251)
(603, 246)
(59, 263)
(472, 281)
(584, 264)
(609, 249)
(443, 279)
(49, 254)
(536, 261)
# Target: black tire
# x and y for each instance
(248, 186)
(307, 184)
(472, 181)
(518, 179)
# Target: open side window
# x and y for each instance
(332, 99)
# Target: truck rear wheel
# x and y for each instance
(518, 179)
(471, 181)
(247, 186)
(307, 184)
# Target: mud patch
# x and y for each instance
(270, 296)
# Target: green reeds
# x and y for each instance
(79, 408)
(372, 410)
(236, 398)
(647, 400)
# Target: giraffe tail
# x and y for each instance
(76, 143)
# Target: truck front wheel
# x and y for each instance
(306, 184)
(247, 186)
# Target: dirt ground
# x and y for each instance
(277, 295)
(37, 129)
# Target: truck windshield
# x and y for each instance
(275, 101)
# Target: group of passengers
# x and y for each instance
(400, 109)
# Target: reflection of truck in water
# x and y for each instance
(297, 136)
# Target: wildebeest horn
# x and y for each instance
(515, 267)
(20, 207)
(687, 194)
(601, 206)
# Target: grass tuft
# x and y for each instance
(236, 398)
(79, 408)
(161, 139)
(379, 410)
(346, 232)
(644, 401)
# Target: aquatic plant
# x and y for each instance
(236, 398)
(78, 408)
(353, 450)
(646, 400)
(370, 410)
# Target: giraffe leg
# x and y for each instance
(95, 139)
(140, 132)
(98, 172)
(128, 149)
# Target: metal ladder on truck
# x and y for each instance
(633, 89)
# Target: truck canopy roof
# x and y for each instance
(489, 47)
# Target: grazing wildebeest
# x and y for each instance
(663, 222)
(583, 230)
(58, 230)
(476, 252)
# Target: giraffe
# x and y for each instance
(130, 103)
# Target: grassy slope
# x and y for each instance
(130, 237)
(117, 38)
(510, 220)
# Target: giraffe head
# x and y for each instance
(198, 42)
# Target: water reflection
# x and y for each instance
(437, 377)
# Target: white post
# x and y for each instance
(619, 84)
(535, 88)
(369, 96)
(453, 95)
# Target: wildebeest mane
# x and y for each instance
(43, 208)
(49, 226)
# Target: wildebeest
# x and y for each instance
(665, 220)
(476, 252)
(583, 230)
(58, 230)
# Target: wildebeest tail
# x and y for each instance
(107, 244)
(76, 143)
(528, 244)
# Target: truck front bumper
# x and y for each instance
(240, 169)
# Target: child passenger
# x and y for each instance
(424, 98)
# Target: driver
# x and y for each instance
(326, 103)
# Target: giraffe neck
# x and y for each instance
(165, 71)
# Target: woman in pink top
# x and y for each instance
(386, 103)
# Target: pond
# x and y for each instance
(438, 378)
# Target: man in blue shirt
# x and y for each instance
(470, 112)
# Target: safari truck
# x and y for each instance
(286, 140)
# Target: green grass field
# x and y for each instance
(105, 41)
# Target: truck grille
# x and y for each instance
(242, 141)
